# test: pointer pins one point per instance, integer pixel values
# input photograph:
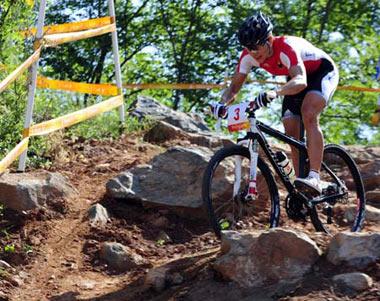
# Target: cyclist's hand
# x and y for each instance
(264, 98)
(218, 110)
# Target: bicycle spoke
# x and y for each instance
(225, 178)
(340, 176)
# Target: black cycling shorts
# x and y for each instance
(323, 81)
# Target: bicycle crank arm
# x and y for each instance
(326, 199)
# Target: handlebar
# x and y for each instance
(223, 109)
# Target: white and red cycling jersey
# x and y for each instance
(287, 51)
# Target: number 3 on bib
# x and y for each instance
(237, 119)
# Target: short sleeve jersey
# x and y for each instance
(288, 51)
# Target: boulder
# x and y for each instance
(372, 214)
(148, 107)
(354, 249)
(371, 175)
(27, 191)
(174, 178)
(163, 131)
(277, 256)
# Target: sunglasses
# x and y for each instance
(255, 47)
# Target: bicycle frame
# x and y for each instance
(254, 137)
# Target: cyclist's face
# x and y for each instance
(261, 53)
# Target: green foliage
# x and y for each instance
(9, 248)
(27, 249)
(160, 242)
(195, 41)
(164, 41)
(51, 105)
(13, 17)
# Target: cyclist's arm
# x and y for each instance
(237, 81)
(297, 82)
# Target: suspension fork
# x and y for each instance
(238, 160)
(252, 187)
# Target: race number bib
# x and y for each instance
(237, 117)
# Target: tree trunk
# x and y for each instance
(307, 18)
(325, 18)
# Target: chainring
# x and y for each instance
(295, 208)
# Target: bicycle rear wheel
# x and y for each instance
(231, 212)
(346, 213)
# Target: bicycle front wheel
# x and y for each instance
(347, 212)
(225, 186)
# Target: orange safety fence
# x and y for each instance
(97, 89)
(194, 86)
(73, 118)
(61, 38)
(57, 124)
(13, 154)
(56, 35)
(361, 89)
(174, 86)
(71, 27)
(13, 76)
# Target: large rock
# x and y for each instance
(27, 191)
(372, 214)
(255, 259)
(163, 131)
(174, 178)
(354, 249)
(148, 107)
(371, 175)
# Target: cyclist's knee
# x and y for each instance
(310, 118)
(312, 107)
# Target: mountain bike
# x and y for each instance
(240, 190)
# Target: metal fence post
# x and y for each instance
(32, 83)
(115, 49)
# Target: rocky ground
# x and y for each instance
(56, 254)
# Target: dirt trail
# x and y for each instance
(65, 265)
(59, 266)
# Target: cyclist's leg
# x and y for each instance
(291, 112)
(312, 107)
(321, 87)
(292, 128)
